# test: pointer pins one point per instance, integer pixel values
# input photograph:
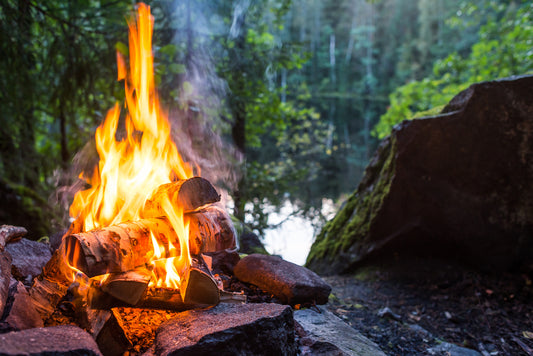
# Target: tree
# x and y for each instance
(503, 50)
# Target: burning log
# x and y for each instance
(189, 194)
(198, 289)
(126, 246)
(127, 286)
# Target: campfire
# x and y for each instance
(149, 233)
(140, 229)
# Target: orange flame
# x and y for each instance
(130, 169)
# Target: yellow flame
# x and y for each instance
(131, 168)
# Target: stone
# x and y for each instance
(447, 349)
(287, 281)
(386, 312)
(57, 340)
(22, 314)
(455, 186)
(5, 277)
(29, 257)
(229, 329)
(250, 243)
(326, 334)
(223, 261)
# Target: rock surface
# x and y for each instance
(457, 185)
(447, 349)
(289, 282)
(229, 329)
(57, 340)
(29, 257)
(22, 314)
(329, 335)
(5, 277)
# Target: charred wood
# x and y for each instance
(10, 233)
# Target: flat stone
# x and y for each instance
(326, 330)
(22, 314)
(229, 329)
(29, 257)
(5, 277)
(289, 282)
(447, 349)
(57, 340)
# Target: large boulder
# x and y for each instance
(457, 185)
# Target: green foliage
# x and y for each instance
(504, 49)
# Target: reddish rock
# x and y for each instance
(289, 282)
(229, 329)
(57, 340)
(22, 314)
(5, 276)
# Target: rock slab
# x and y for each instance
(229, 329)
(5, 277)
(326, 334)
(457, 185)
(29, 257)
(289, 282)
(22, 314)
(57, 340)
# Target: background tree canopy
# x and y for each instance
(294, 94)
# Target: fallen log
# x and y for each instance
(126, 246)
(189, 194)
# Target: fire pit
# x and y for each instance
(150, 243)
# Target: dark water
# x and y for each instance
(349, 147)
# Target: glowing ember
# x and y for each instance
(132, 168)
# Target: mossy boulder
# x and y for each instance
(458, 185)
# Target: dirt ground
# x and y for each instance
(432, 302)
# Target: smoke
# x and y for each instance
(200, 127)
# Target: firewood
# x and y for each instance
(198, 285)
(127, 286)
(107, 328)
(10, 233)
(126, 246)
(117, 248)
(210, 230)
(232, 297)
(189, 194)
(198, 289)
(45, 295)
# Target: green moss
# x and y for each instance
(352, 222)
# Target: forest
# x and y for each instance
(276, 100)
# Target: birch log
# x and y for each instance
(126, 246)
(190, 194)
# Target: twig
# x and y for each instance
(524, 347)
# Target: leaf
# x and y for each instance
(122, 48)
(527, 334)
